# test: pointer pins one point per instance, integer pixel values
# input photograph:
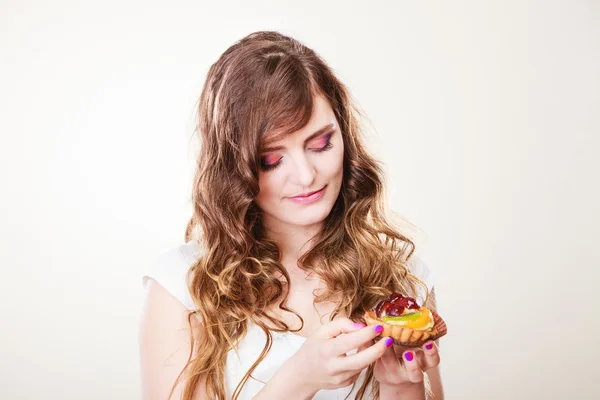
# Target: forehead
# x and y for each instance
(322, 116)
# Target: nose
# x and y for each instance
(304, 172)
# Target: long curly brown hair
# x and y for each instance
(265, 83)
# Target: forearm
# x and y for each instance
(412, 391)
(285, 385)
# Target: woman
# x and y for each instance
(287, 247)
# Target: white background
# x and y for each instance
(486, 115)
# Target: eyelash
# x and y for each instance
(327, 146)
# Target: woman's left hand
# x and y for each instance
(401, 365)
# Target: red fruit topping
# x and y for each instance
(395, 297)
(405, 301)
(395, 310)
(409, 303)
(384, 308)
(395, 305)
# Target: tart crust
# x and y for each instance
(408, 337)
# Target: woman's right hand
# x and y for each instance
(322, 363)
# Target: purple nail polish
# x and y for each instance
(429, 346)
(408, 356)
(389, 341)
(378, 329)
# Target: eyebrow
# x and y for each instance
(308, 139)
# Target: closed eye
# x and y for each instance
(267, 163)
(266, 166)
(326, 143)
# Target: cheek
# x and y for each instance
(334, 164)
(269, 188)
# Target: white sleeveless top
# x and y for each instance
(170, 270)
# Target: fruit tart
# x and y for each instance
(405, 321)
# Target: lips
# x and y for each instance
(301, 196)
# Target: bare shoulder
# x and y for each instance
(164, 340)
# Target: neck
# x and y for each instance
(293, 240)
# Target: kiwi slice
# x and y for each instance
(406, 317)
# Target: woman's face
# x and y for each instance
(306, 161)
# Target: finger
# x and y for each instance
(431, 356)
(349, 377)
(337, 327)
(343, 344)
(366, 357)
(412, 367)
(363, 346)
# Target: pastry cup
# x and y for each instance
(408, 337)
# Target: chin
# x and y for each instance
(312, 217)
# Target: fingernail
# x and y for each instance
(358, 325)
(389, 341)
(408, 356)
(378, 329)
(429, 346)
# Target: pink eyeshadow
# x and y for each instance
(322, 142)
(270, 159)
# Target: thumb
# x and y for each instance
(338, 327)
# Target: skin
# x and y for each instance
(301, 168)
